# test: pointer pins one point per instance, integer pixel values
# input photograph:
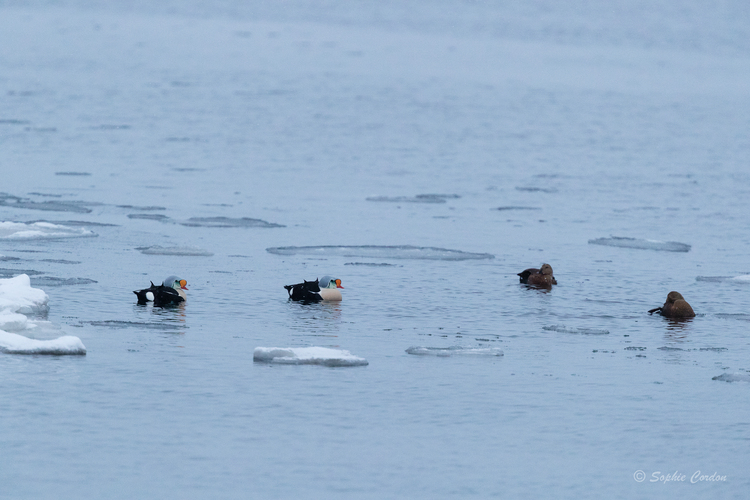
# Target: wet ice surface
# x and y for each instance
(307, 356)
(18, 231)
(616, 120)
(641, 244)
(583, 331)
(444, 352)
(176, 251)
(381, 252)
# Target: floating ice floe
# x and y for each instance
(743, 279)
(307, 356)
(420, 198)
(8, 200)
(583, 331)
(19, 231)
(53, 281)
(244, 222)
(228, 222)
(18, 298)
(641, 244)
(12, 343)
(381, 252)
(180, 251)
(733, 377)
(445, 352)
(516, 208)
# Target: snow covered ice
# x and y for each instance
(17, 299)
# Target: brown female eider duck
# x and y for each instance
(323, 289)
(170, 292)
(675, 307)
(538, 277)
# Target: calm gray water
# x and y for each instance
(619, 119)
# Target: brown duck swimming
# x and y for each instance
(675, 307)
(538, 277)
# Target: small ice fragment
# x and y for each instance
(307, 356)
(583, 331)
(39, 231)
(445, 352)
(641, 244)
(181, 251)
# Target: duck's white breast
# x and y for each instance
(330, 294)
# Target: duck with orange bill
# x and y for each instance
(323, 289)
(170, 292)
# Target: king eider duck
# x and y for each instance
(170, 292)
(323, 289)
(675, 307)
(538, 277)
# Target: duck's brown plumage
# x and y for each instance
(675, 307)
(538, 277)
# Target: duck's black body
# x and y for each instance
(160, 295)
(309, 291)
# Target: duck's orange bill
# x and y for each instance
(338, 284)
(182, 284)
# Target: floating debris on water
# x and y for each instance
(641, 244)
(381, 252)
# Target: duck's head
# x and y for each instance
(673, 297)
(175, 282)
(546, 269)
(328, 282)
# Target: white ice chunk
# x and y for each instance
(445, 352)
(17, 296)
(11, 343)
(307, 356)
(40, 231)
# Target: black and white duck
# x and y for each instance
(170, 292)
(323, 289)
